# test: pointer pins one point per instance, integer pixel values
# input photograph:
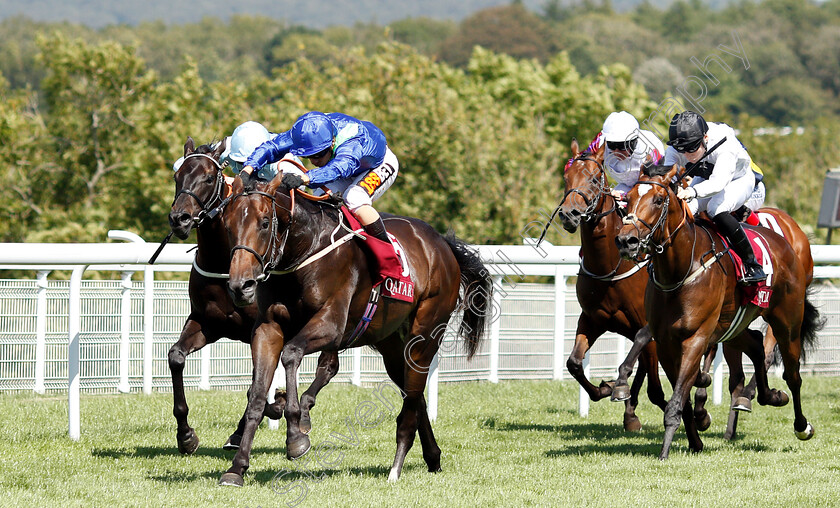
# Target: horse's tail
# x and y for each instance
(812, 322)
(476, 300)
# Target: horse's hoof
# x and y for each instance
(620, 393)
(232, 442)
(298, 448)
(305, 424)
(231, 480)
(704, 380)
(806, 434)
(273, 411)
(783, 398)
(606, 388)
(632, 423)
(704, 422)
(189, 443)
(742, 404)
(435, 469)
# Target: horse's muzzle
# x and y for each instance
(181, 224)
(629, 245)
(243, 291)
(570, 219)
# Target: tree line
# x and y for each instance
(480, 113)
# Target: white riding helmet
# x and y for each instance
(245, 139)
(619, 127)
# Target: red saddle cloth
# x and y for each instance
(756, 294)
(389, 264)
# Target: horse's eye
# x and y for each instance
(264, 223)
(209, 178)
(658, 200)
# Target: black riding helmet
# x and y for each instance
(686, 131)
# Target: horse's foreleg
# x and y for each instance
(701, 415)
(192, 339)
(327, 369)
(679, 407)
(622, 391)
(587, 334)
(265, 351)
(650, 359)
(631, 421)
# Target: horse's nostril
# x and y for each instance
(248, 285)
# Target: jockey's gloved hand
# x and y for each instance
(686, 193)
(291, 181)
(249, 180)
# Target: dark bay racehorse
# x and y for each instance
(199, 187)
(322, 292)
(694, 300)
(609, 289)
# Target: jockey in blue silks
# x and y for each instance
(350, 156)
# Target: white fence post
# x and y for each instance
(204, 379)
(434, 375)
(41, 332)
(559, 321)
(717, 389)
(278, 379)
(495, 329)
(583, 397)
(356, 378)
(73, 352)
(125, 332)
(148, 327)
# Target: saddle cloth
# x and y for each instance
(757, 294)
(388, 263)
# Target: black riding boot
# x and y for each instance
(731, 228)
(376, 229)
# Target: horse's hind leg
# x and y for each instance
(791, 349)
(769, 356)
(631, 421)
(701, 415)
(587, 333)
(736, 385)
(192, 339)
(327, 369)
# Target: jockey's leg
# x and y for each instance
(366, 189)
(731, 228)
(372, 222)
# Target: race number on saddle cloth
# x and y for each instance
(758, 293)
(389, 265)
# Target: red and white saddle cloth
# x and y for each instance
(757, 294)
(388, 263)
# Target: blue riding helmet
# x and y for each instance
(312, 133)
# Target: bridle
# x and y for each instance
(589, 213)
(217, 190)
(267, 260)
(633, 220)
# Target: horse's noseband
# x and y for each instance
(215, 197)
(273, 252)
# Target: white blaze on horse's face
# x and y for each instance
(644, 189)
(245, 213)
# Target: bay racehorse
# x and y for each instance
(693, 299)
(609, 288)
(324, 289)
(199, 187)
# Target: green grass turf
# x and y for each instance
(516, 443)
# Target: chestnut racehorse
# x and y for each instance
(199, 188)
(694, 300)
(324, 288)
(609, 288)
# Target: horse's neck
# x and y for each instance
(310, 232)
(213, 247)
(681, 254)
(597, 240)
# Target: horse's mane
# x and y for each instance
(652, 169)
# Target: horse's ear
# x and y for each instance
(599, 152)
(575, 148)
(219, 149)
(189, 146)
(236, 186)
(274, 184)
(646, 165)
(674, 174)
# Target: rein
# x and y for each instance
(273, 253)
(204, 213)
(589, 213)
(206, 208)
